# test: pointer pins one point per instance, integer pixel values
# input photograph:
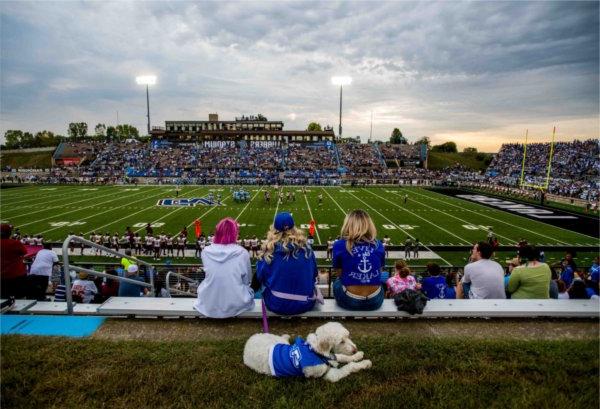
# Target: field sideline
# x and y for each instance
(434, 218)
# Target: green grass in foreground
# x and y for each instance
(407, 372)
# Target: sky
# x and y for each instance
(477, 73)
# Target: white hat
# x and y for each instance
(132, 268)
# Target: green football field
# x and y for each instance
(435, 219)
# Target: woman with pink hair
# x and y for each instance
(225, 292)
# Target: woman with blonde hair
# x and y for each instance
(287, 269)
(359, 259)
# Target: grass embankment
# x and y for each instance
(407, 372)
(441, 160)
(27, 160)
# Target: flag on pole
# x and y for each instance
(198, 226)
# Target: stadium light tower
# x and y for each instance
(147, 80)
(341, 81)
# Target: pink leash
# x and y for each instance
(265, 323)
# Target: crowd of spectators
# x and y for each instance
(574, 169)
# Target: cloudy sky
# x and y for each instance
(478, 73)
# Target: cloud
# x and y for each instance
(439, 69)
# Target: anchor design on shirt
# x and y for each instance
(364, 266)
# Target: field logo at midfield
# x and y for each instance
(195, 201)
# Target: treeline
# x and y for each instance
(76, 132)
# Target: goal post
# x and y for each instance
(544, 186)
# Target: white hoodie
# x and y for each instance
(225, 292)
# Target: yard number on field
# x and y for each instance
(160, 224)
(401, 226)
(63, 224)
(473, 227)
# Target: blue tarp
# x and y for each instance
(49, 325)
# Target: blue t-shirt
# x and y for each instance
(363, 266)
(291, 274)
(434, 287)
(595, 272)
(567, 275)
(450, 293)
(288, 360)
(131, 290)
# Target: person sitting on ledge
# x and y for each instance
(531, 280)
(225, 292)
(359, 258)
(287, 269)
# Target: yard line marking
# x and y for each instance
(312, 218)
(277, 198)
(244, 209)
(128, 215)
(175, 211)
(43, 201)
(38, 199)
(502, 221)
(71, 211)
(334, 201)
(106, 211)
(422, 218)
(511, 241)
(398, 227)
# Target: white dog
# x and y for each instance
(316, 357)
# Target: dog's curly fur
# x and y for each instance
(328, 338)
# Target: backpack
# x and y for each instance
(411, 301)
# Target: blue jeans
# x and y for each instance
(350, 303)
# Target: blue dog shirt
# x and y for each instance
(288, 360)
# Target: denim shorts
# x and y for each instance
(351, 303)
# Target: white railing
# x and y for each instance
(67, 268)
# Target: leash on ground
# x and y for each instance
(265, 322)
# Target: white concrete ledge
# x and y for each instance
(182, 307)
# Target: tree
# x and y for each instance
(449, 147)
(397, 136)
(12, 138)
(314, 126)
(78, 130)
(127, 131)
(27, 140)
(100, 131)
(111, 133)
(424, 140)
(44, 138)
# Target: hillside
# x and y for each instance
(441, 160)
(26, 160)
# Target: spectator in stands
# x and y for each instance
(402, 280)
(41, 271)
(567, 274)
(359, 259)
(434, 286)
(451, 285)
(531, 280)
(578, 291)
(130, 289)
(287, 269)
(126, 261)
(13, 274)
(83, 290)
(595, 270)
(485, 276)
(562, 290)
(225, 292)
(109, 287)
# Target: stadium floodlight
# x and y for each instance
(146, 80)
(341, 81)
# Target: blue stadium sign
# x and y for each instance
(186, 202)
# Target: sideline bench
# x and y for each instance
(183, 307)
